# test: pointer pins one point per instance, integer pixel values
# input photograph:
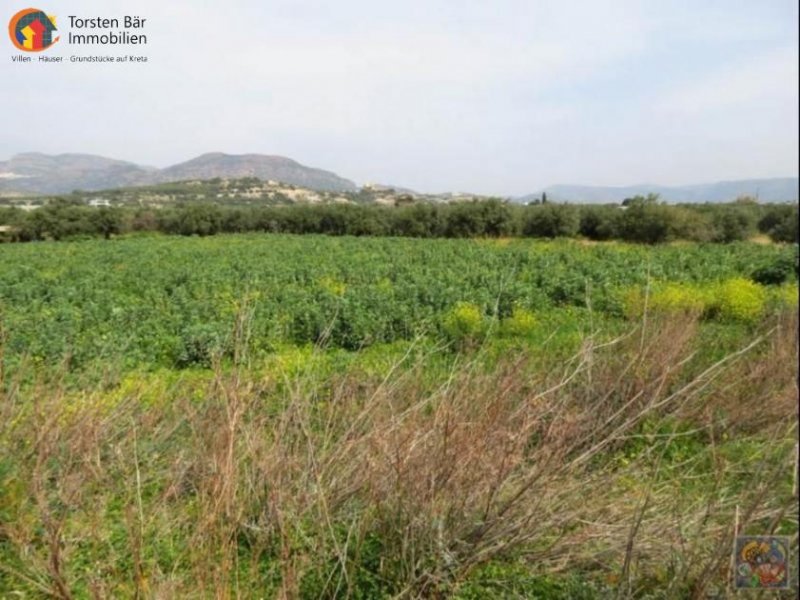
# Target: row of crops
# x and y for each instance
(176, 301)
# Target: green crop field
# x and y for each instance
(175, 302)
(334, 417)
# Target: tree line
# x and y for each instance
(639, 219)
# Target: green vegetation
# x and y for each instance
(380, 417)
(170, 301)
(640, 220)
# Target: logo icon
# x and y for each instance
(31, 30)
(762, 561)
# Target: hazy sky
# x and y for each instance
(500, 97)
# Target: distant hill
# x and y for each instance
(276, 168)
(34, 173)
(234, 192)
(779, 189)
(383, 187)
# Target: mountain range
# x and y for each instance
(776, 189)
(34, 173)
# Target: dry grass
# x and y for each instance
(627, 465)
(761, 239)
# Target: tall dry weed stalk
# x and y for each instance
(295, 485)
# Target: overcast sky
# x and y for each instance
(501, 97)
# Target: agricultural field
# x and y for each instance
(175, 303)
(341, 417)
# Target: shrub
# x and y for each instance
(732, 224)
(520, 323)
(738, 299)
(667, 298)
(776, 272)
(598, 222)
(498, 219)
(107, 221)
(679, 297)
(550, 220)
(688, 224)
(780, 223)
(786, 230)
(463, 322)
(200, 219)
(199, 345)
(417, 220)
(785, 296)
(646, 223)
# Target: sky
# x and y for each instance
(503, 97)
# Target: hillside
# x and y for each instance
(35, 173)
(243, 191)
(777, 189)
(276, 168)
(234, 192)
(40, 174)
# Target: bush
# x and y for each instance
(786, 230)
(732, 224)
(521, 323)
(201, 219)
(777, 272)
(645, 223)
(598, 222)
(107, 221)
(738, 299)
(780, 222)
(783, 297)
(667, 298)
(463, 322)
(498, 219)
(417, 220)
(492, 218)
(551, 220)
(199, 345)
(689, 224)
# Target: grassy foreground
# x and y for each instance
(272, 416)
(617, 472)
